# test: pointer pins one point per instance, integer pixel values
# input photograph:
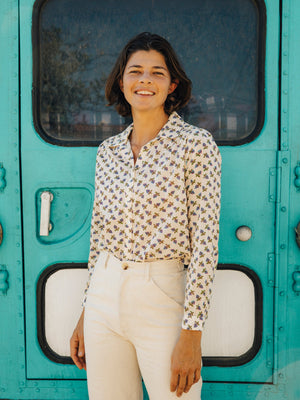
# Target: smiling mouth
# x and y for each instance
(145, 93)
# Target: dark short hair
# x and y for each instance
(148, 41)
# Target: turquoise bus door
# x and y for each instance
(67, 49)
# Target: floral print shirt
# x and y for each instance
(164, 206)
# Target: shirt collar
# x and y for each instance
(170, 130)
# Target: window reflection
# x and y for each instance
(217, 42)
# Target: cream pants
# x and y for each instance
(132, 322)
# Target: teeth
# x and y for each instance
(144, 92)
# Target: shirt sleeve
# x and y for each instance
(94, 232)
(203, 173)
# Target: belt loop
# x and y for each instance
(106, 260)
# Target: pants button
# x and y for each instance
(125, 265)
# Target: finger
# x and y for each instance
(181, 385)
(189, 381)
(174, 381)
(197, 375)
(81, 350)
(74, 344)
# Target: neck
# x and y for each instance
(146, 126)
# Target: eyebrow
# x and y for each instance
(140, 66)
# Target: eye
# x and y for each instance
(158, 73)
(134, 71)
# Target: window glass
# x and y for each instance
(217, 41)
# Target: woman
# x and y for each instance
(156, 209)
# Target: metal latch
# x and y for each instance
(3, 279)
(45, 226)
(297, 230)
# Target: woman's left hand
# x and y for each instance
(186, 362)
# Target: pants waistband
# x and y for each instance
(154, 266)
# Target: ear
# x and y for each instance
(121, 85)
(173, 86)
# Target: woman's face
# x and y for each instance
(146, 81)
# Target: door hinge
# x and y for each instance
(270, 352)
(274, 184)
(2, 177)
(271, 269)
(4, 285)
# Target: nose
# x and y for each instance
(145, 78)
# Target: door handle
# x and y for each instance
(1, 234)
(45, 226)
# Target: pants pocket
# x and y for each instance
(169, 288)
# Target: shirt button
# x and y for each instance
(125, 265)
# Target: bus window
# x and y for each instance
(75, 43)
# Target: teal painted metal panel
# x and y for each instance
(11, 296)
(289, 296)
(258, 190)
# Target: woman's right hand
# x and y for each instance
(77, 344)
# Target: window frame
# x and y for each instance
(221, 361)
(261, 52)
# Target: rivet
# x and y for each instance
(280, 375)
(285, 160)
(18, 244)
(285, 34)
(285, 73)
(272, 173)
(17, 190)
(270, 258)
(285, 53)
(284, 110)
(271, 197)
(270, 281)
(36, 384)
(20, 390)
(21, 383)
(269, 340)
(66, 215)
(17, 209)
(284, 129)
(269, 364)
(20, 314)
(20, 332)
(281, 328)
(282, 246)
(283, 209)
(285, 92)
(37, 389)
(282, 293)
(21, 349)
